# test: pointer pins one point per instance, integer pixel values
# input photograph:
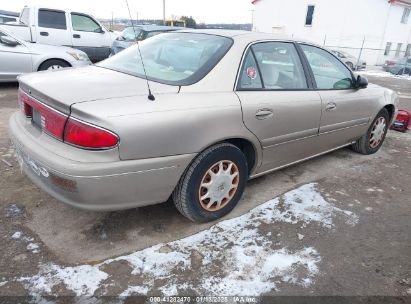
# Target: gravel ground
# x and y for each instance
(336, 225)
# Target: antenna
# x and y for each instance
(150, 95)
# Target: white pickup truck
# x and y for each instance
(64, 27)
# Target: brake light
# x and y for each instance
(88, 136)
(52, 121)
(66, 128)
(27, 110)
(390, 62)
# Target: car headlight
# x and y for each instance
(79, 56)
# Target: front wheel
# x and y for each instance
(213, 184)
(53, 64)
(372, 141)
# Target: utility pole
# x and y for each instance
(112, 20)
(164, 12)
(252, 20)
(136, 17)
(359, 56)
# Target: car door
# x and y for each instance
(346, 110)
(52, 27)
(14, 60)
(278, 104)
(90, 37)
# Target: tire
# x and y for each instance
(56, 63)
(189, 191)
(350, 65)
(365, 144)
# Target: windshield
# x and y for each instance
(172, 58)
(130, 34)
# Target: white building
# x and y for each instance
(384, 26)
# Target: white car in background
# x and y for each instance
(64, 28)
(352, 62)
(19, 57)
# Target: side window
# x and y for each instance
(310, 15)
(280, 66)
(7, 19)
(84, 23)
(405, 15)
(387, 49)
(329, 72)
(52, 19)
(249, 75)
(151, 34)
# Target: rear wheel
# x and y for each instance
(372, 141)
(213, 184)
(53, 64)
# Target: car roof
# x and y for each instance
(151, 28)
(246, 35)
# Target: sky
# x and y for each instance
(208, 11)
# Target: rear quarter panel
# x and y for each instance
(173, 124)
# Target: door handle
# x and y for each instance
(264, 114)
(76, 36)
(330, 106)
(44, 33)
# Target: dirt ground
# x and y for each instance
(339, 224)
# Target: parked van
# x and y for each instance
(66, 28)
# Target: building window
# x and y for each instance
(408, 50)
(310, 14)
(398, 51)
(405, 15)
(387, 49)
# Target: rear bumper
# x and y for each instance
(99, 186)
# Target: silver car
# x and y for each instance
(352, 62)
(130, 35)
(19, 57)
(222, 107)
(400, 66)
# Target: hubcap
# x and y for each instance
(219, 185)
(377, 132)
(55, 67)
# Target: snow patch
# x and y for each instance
(16, 235)
(3, 283)
(135, 290)
(232, 257)
(13, 210)
(33, 247)
(82, 280)
(384, 74)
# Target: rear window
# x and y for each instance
(52, 19)
(7, 19)
(172, 58)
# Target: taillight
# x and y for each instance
(51, 121)
(24, 106)
(88, 136)
(66, 128)
(390, 62)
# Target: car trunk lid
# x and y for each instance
(62, 88)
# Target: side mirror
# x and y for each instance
(362, 82)
(99, 30)
(9, 41)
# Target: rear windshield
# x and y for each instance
(172, 58)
